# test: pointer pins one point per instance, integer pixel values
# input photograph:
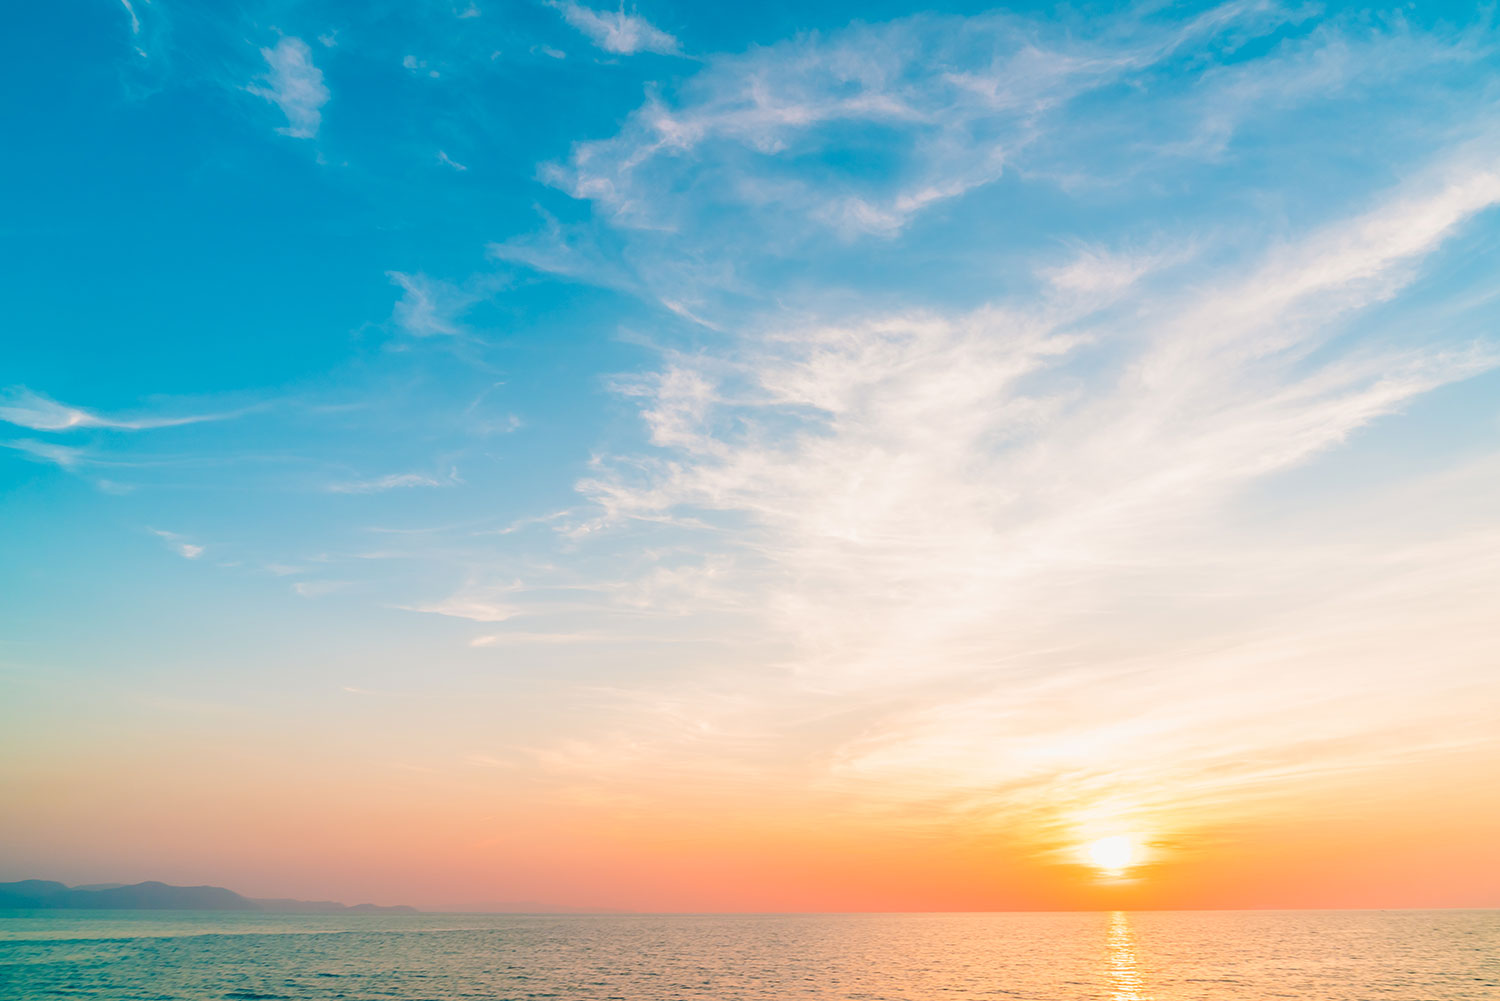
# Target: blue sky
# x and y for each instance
(701, 383)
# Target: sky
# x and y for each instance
(767, 457)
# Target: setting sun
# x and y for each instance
(1113, 855)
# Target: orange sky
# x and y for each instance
(224, 805)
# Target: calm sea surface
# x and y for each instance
(1406, 955)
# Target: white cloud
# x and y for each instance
(430, 308)
(294, 85)
(25, 408)
(741, 113)
(63, 456)
(416, 65)
(1006, 540)
(447, 160)
(318, 588)
(475, 608)
(865, 129)
(1098, 271)
(615, 30)
(178, 544)
(393, 481)
(135, 22)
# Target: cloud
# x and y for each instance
(135, 22)
(25, 408)
(475, 608)
(393, 481)
(63, 456)
(178, 544)
(318, 588)
(616, 31)
(1005, 540)
(822, 143)
(967, 93)
(294, 85)
(448, 161)
(1096, 270)
(430, 308)
(416, 65)
(915, 422)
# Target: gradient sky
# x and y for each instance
(769, 456)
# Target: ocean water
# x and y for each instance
(1258, 956)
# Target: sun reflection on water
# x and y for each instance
(1125, 983)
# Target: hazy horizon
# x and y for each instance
(543, 909)
(788, 458)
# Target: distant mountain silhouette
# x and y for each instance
(34, 894)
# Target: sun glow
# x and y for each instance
(1113, 855)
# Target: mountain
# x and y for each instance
(33, 894)
(154, 896)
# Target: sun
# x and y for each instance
(1113, 855)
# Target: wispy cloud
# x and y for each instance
(968, 109)
(997, 561)
(318, 588)
(178, 544)
(295, 85)
(64, 456)
(819, 143)
(25, 408)
(393, 481)
(922, 509)
(430, 308)
(569, 251)
(135, 22)
(474, 607)
(616, 30)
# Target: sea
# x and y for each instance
(1153, 956)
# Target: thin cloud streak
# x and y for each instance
(394, 481)
(62, 456)
(178, 544)
(26, 408)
